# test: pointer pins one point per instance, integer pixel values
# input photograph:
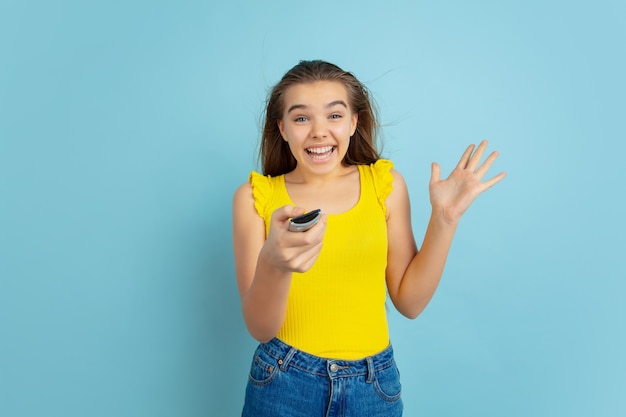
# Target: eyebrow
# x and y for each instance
(304, 106)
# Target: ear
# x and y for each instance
(353, 124)
(281, 128)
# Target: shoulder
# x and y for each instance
(382, 171)
(247, 193)
(398, 179)
(243, 193)
(385, 179)
(243, 200)
(381, 165)
(246, 190)
(398, 199)
(245, 212)
(256, 192)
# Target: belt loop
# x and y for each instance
(284, 362)
(370, 369)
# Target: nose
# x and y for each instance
(319, 129)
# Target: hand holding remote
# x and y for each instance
(305, 222)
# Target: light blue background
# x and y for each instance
(125, 127)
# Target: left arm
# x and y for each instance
(412, 275)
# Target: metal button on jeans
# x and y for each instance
(334, 367)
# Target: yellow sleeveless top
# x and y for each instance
(337, 308)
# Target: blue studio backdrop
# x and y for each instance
(125, 128)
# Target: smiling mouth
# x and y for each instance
(320, 152)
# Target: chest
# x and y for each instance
(335, 198)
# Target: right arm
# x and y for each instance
(264, 266)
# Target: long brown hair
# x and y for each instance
(276, 157)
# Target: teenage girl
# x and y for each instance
(315, 300)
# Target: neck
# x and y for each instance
(301, 176)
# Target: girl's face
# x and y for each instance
(317, 124)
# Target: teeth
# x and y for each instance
(322, 150)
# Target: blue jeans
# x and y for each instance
(286, 382)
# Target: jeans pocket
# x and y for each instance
(387, 383)
(264, 368)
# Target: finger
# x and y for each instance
(280, 220)
(309, 238)
(475, 158)
(284, 213)
(482, 170)
(322, 223)
(317, 230)
(435, 173)
(307, 259)
(493, 181)
(310, 245)
(465, 157)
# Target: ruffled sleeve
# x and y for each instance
(261, 191)
(383, 180)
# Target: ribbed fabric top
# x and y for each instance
(337, 308)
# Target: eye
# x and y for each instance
(336, 116)
(300, 119)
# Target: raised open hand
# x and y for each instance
(451, 197)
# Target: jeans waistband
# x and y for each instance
(287, 355)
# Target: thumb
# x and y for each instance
(284, 213)
(435, 173)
